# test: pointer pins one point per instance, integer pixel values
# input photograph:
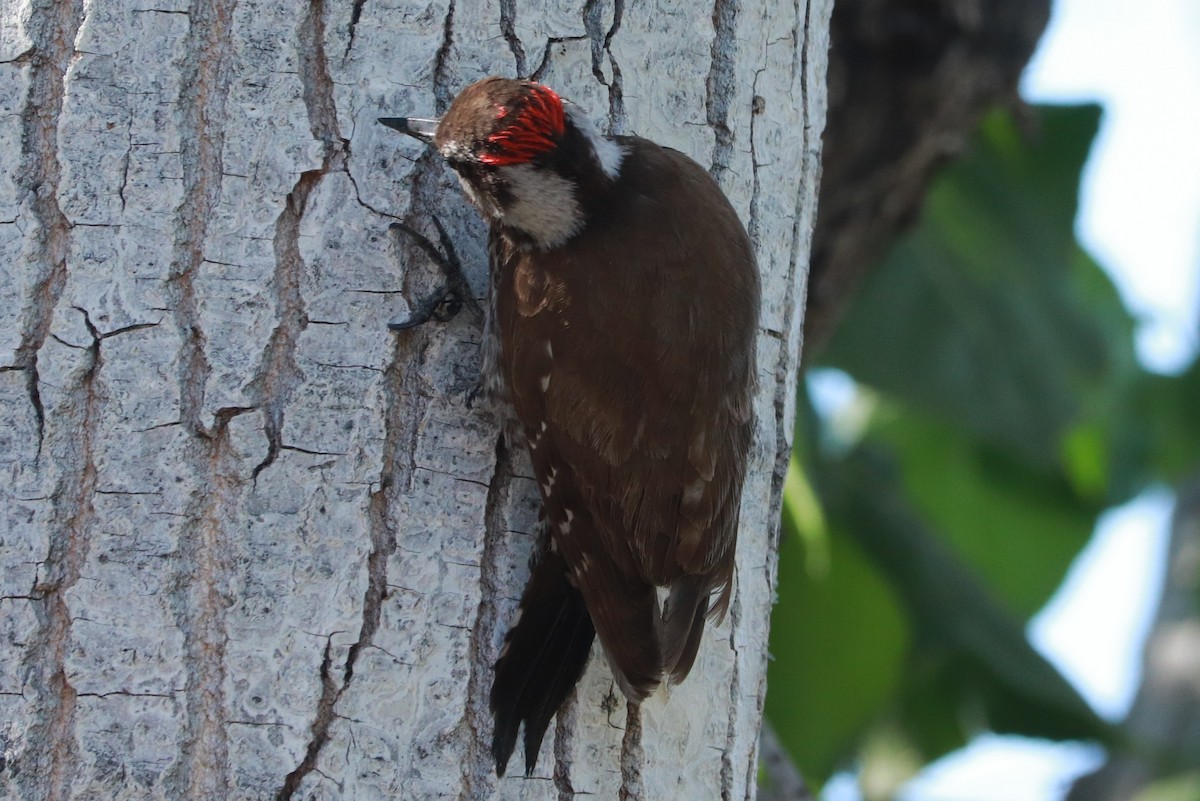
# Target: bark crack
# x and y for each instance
(402, 416)
(202, 768)
(565, 725)
(383, 544)
(124, 694)
(792, 329)
(721, 85)
(53, 750)
(278, 373)
(731, 731)
(34, 393)
(125, 158)
(633, 760)
(618, 118)
(592, 13)
(508, 28)
(358, 198)
(547, 51)
(793, 320)
(477, 768)
(52, 28)
(602, 47)
(400, 435)
(200, 600)
(758, 107)
(201, 103)
(441, 64)
(720, 90)
(320, 727)
(355, 15)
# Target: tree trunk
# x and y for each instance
(252, 545)
(908, 84)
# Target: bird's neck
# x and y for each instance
(548, 205)
(606, 153)
(543, 208)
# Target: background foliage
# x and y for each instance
(1001, 410)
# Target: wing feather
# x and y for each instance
(630, 357)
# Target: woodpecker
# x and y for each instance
(619, 335)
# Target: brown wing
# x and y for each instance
(629, 354)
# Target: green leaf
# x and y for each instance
(1183, 787)
(1008, 409)
(1159, 429)
(1018, 525)
(984, 315)
(838, 643)
(971, 665)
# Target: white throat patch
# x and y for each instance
(608, 153)
(543, 205)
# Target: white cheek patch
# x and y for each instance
(543, 205)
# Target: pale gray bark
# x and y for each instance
(251, 544)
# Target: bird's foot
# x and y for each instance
(442, 306)
(448, 300)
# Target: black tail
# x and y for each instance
(543, 657)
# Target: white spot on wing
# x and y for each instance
(545, 382)
(701, 457)
(536, 439)
(693, 492)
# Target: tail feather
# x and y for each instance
(544, 656)
(683, 626)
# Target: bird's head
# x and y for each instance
(531, 162)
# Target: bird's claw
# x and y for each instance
(444, 304)
(477, 393)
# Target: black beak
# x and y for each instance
(415, 127)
